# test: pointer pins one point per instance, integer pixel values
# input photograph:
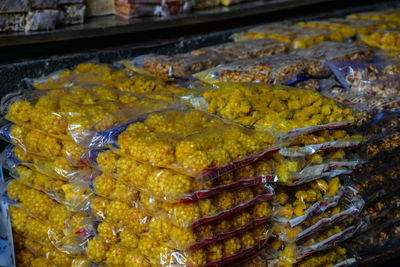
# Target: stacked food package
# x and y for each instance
(283, 152)
(38, 15)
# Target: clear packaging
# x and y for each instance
(141, 8)
(192, 214)
(43, 4)
(202, 4)
(385, 14)
(383, 144)
(335, 257)
(14, 6)
(169, 186)
(13, 22)
(349, 27)
(372, 77)
(333, 51)
(178, 66)
(292, 111)
(277, 69)
(388, 39)
(41, 20)
(100, 7)
(246, 49)
(72, 14)
(224, 252)
(299, 36)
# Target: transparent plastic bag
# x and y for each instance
(383, 144)
(169, 186)
(41, 20)
(385, 15)
(277, 69)
(100, 8)
(372, 77)
(71, 14)
(246, 49)
(141, 8)
(299, 36)
(335, 257)
(333, 51)
(14, 6)
(388, 39)
(224, 252)
(178, 66)
(246, 104)
(14, 22)
(349, 27)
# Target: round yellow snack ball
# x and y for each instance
(215, 251)
(107, 232)
(231, 246)
(96, 250)
(129, 239)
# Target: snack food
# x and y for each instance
(385, 39)
(385, 14)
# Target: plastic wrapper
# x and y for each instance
(8, 244)
(224, 252)
(247, 49)
(388, 39)
(349, 27)
(74, 196)
(194, 214)
(372, 77)
(290, 110)
(100, 7)
(312, 84)
(180, 129)
(385, 14)
(381, 122)
(335, 257)
(72, 14)
(142, 8)
(41, 144)
(13, 22)
(178, 66)
(44, 4)
(202, 4)
(326, 163)
(290, 253)
(278, 69)
(299, 36)
(384, 144)
(41, 20)
(140, 177)
(14, 6)
(333, 51)
(185, 238)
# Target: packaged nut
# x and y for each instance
(12, 22)
(72, 14)
(388, 39)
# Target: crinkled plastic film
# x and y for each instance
(385, 14)
(247, 49)
(156, 253)
(193, 214)
(333, 51)
(14, 6)
(72, 14)
(41, 20)
(350, 27)
(371, 77)
(142, 8)
(335, 257)
(197, 131)
(185, 238)
(299, 36)
(277, 69)
(388, 39)
(14, 22)
(169, 186)
(383, 144)
(292, 111)
(178, 66)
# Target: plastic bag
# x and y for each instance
(71, 14)
(140, 8)
(185, 238)
(12, 22)
(193, 214)
(14, 6)
(178, 66)
(277, 69)
(329, 51)
(385, 15)
(388, 39)
(44, 4)
(335, 257)
(247, 104)
(382, 145)
(246, 49)
(41, 20)
(373, 77)
(156, 253)
(349, 27)
(299, 36)
(100, 7)
(165, 187)
(202, 4)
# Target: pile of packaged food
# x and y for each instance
(124, 165)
